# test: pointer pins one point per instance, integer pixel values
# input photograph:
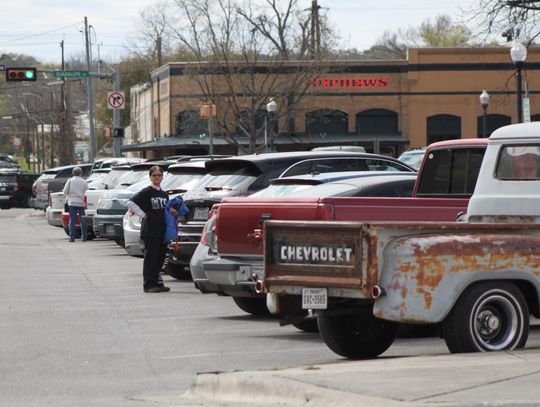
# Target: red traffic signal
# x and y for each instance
(21, 74)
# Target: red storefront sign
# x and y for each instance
(351, 82)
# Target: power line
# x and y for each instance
(38, 34)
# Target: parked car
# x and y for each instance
(284, 199)
(16, 188)
(241, 176)
(103, 163)
(180, 178)
(53, 213)
(53, 180)
(413, 157)
(7, 162)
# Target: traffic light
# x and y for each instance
(21, 74)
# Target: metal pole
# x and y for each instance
(519, 95)
(90, 87)
(265, 134)
(117, 141)
(484, 122)
(210, 135)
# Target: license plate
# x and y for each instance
(200, 213)
(109, 229)
(314, 298)
(5, 198)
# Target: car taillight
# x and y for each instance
(49, 198)
(85, 202)
(203, 235)
(325, 211)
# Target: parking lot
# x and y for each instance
(77, 328)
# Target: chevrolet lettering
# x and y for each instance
(314, 254)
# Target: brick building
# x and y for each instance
(382, 105)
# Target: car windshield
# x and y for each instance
(184, 181)
(113, 178)
(278, 190)
(412, 158)
(133, 178)
(225, 178)
(138, 185)
(329, 189)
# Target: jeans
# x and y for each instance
(73, 211)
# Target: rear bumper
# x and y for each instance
(110, 227)
(54, 216)
(234, 276)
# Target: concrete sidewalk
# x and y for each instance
(481, 379)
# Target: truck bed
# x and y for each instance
(240, 220)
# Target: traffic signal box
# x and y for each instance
(21, 74)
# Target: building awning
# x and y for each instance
(307, 140)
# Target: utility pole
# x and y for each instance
(90, 87)
(315, 30)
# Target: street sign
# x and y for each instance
(526, 110)
(118, 132)
(71, 74)
(116, 100)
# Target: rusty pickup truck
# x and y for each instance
(443, 187)
(479, 279)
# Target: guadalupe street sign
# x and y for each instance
(71, 74)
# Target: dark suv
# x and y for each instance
(244, 175)
(16, 188)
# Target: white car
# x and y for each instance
(132, 231)
(55, 209)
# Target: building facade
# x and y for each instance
(385, 106)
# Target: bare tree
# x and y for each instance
(441, 32)
(242, 50)
(511, 19)
(152, 38)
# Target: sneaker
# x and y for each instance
(157, 289)
(71, 240)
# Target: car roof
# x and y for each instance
(264, 161)
(164, 164)
(313, 179)
(188, 164)
(65, 167)
(463, 141)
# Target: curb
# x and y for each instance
(264, 388)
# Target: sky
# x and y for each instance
(36, 27)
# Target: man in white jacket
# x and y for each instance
(74, 194)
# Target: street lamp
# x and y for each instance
(271, 107)
(484, 101)
(518, 53)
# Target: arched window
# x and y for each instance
(376, 121)
(443, 127)
(327, 121)
(188, 123)
(493, 122)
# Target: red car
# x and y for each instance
(65, 225)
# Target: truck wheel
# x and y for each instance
(252, 305)
(358, 336)
(487, 317)
(307, 325)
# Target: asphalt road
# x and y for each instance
(77, 329)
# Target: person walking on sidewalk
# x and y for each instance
(149, 204)
(74, 195)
